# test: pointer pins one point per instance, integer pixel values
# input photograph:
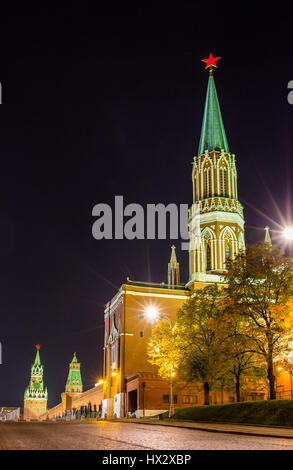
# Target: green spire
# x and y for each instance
(37, 359)
(213, 136)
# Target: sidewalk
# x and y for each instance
(230, 428)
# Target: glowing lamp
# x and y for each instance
(100, 382)
(288, 233)
(152, 314)
(114, 373)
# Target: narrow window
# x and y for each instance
(208, 256)
(207, 183)
(113, 356)
(227, 252)
(223, 182)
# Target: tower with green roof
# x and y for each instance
(35, 395)
(73, 386)
(216, 222)
(74, 382)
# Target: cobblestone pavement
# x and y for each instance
(118, 436)
(231, 428)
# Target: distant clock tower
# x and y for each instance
(35, 395)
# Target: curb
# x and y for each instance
(199, 428)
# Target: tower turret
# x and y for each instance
(267, 239)
(173, 269)
(35, 395)
(74, 382)
(216, 223)
(73, 387)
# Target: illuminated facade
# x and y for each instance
(216, 228)
(131, 385)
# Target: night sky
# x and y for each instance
(110, 102)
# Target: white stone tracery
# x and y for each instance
(215, 193)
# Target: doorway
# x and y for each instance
(132, 401)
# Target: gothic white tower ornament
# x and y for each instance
(215, 198)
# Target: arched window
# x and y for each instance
(223, 181)
(208, 256)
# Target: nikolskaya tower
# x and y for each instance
(216, 223)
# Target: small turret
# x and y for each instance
(267, 239)
(173, 269)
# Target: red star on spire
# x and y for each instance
(211, 61)
(38, 346)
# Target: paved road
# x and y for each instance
(117, 436)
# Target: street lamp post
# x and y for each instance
(153, 316)
(171, 398)
(290, 361)
(143, 408)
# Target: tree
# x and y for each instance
(163, 350)
(194, 346)
(203, 338)
(243, 363)
(260, 284)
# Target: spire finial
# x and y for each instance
(213, 136)
(267, 239)
(37, 359)
(210, 63)
(74, 358)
